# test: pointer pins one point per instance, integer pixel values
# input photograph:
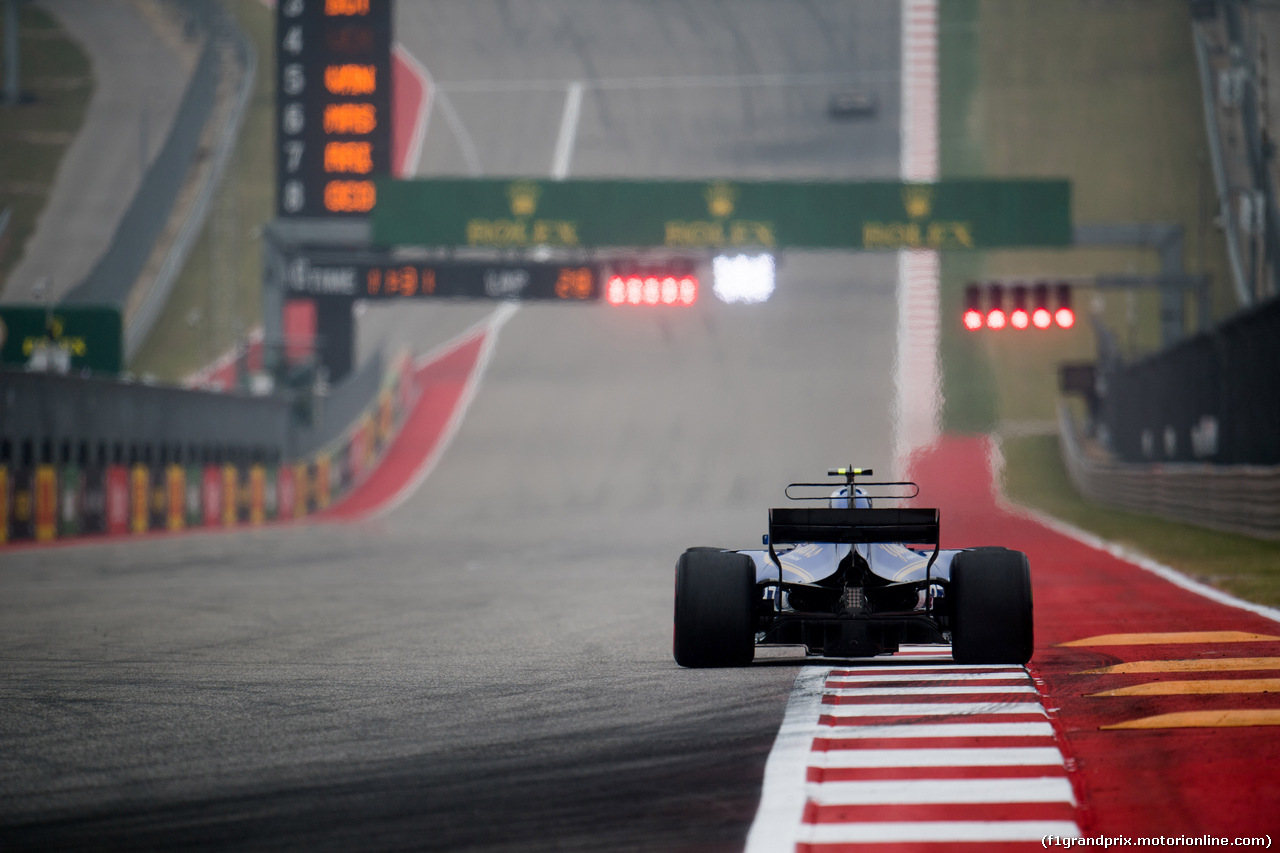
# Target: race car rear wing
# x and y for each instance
(857, 526)
(854, 526)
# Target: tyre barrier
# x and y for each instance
(50, 493)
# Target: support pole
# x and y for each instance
(1166, 239)
(335, 327)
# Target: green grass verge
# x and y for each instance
(218, 296)
(1245, 567)
(970, 397)
(34, 135)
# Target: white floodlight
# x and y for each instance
(743, 278)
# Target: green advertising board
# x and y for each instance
(92, 336)
(869, 215)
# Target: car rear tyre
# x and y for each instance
(991, 598)
(714, 622)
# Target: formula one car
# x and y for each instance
(852, 580)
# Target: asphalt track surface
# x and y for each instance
(488, 667)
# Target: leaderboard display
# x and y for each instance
(333, 129)
(564, 282)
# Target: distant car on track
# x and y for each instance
(854, 582)
(851, 104)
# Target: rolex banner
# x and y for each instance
(762, 215)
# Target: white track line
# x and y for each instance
(887, 832)
(410, 165)
(203, 374)
(465, 143)
(916, 677)
(568, 131)
(1027, 756)
(479, 327)
(779, 824)
(984, 689)
(894, 731)
(940, 670)
(783, 796)
(917, 383)
(1050, 789)
(932, 709)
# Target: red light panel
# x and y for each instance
(1065, 317)
(354, 157)
(651, 290)
(574, 283)
(350, 196)
(1041, 318)
(350, 118)
(688, 290)
(973, 320)
(1019, 318)
(351, 79)
(996, 319)
(346, 7)
(333, 83)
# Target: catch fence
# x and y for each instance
(1212, 398)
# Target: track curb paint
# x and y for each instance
(489, 328)
(412, 152)
(392, 488)
(782, 799)
(908, 762)
(916, 374)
